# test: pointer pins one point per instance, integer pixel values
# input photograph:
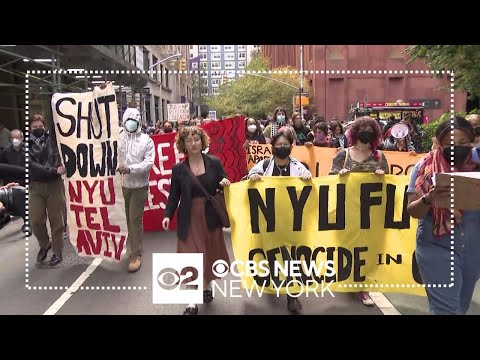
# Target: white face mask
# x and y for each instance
(131, 125)
(252, 128)
(16, 142)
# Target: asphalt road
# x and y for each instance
(132, 293)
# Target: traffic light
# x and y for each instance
(183, 65)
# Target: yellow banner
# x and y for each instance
(352, 232)
(319, 159)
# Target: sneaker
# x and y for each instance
(366, 299)
(135, 263)
(56, 259)
(42, 254)
(191, 311)
(293, 304)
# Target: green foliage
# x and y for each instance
(257, 96)
(463, 60)
(431, 127)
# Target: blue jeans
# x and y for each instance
(434, 262)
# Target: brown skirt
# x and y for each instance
(200, 239)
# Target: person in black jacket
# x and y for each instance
(198, 228)
(14, 154)
(47, 192)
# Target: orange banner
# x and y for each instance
(319, 159)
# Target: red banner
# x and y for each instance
(226, 142)
(166, 155)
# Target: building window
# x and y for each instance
(230, 65)
(241, 64)
(215, 48)
(161, 73)
(166, 78)
(242, 47)
(214, 91)
(146, 60)
(164, 110)
(230, 74)
(215, 82)
(204, 92)
(154, 61)
(204, 74)
(203, 65)
(228, 48)
(242, 55)
(191, 47)
(216, 74)
(203, 56)
(157, 109)
(202, 48)
(191, 55)
(205, 82)
(215, 65)
(217, 57)
(230, 56)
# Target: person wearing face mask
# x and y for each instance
(14, 154)
(318, 136)
(136, 156)
(365, 135)
(281, 164)
(474, 120)
(279, 120)
(253, 133)
(434, 253)
(46, 193)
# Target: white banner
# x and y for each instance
(86, 126)
(178, 112)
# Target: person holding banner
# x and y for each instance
(47, 195)
(199, 229)
(365, 135)
(282, 164)
(436, 251)
(136, 158)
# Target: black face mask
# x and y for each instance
(167, 130)
(366, 137)
(460, 154)
(38, 133)
(282, 152)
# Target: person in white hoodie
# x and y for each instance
(136, 157)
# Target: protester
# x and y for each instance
(253, 133)
(136, 158)
(474, 120)
(301, 131)
(282, 164)
(363, 156)
(339, 140)
(46, 194)
(433, 252)
(199, 229)
(279, 120)
(14, 154)
(318, 136)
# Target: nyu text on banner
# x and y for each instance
(86, 126)
(359, 222)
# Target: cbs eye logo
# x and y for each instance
(170, 279)
(220, 268)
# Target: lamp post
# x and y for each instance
(167, 58)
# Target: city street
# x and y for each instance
(17, 299)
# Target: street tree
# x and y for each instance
(463, 60)
(257, 96)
